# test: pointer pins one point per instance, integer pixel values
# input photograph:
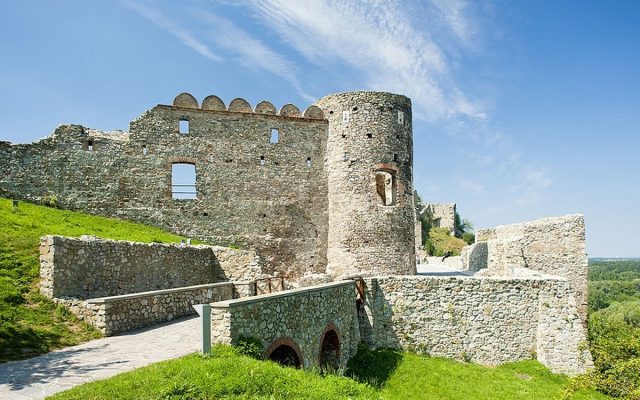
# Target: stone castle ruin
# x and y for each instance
(321, 204)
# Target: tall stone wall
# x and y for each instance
(554, 246)
(298, 318)
(89, 268)
(486, 320)
(369, 169)
(271, 197)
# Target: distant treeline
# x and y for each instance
(602, 269)
(614, 326)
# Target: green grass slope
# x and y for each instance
(376, 375)
(30, 324)
(443, 242)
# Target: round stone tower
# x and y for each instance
(369, 170)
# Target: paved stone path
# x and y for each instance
(60, 370)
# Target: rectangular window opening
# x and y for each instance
(345, 117)
(395, 157)
(183, 181)
(401, 117)
(308, 161)
(144, 149)
(369, 135)
(262, 161)
(184, 126)
(90, 145)
(275, 136)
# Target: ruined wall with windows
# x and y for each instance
(275, 181)
(259, 176)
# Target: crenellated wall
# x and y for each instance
(269, 197)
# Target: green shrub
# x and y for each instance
(615, 346)
(469, 237)
(251, 347)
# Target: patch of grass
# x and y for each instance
(226, 374)
(31, 324)
(443, 242)
(382, 374)
(410, 376)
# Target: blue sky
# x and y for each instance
(522, 109)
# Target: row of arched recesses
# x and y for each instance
(286, 352)
(214, 103)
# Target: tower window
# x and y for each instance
(183, 181)
(401, 117)
(308, 161)
(183, 126)
(90, 145)
(145, 150)
(262, 161)
(345, 117)
(369, 135)
(386, 187)
(275, 136)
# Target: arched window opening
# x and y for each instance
(286, 356)
(330, 351)
(183, 181)
(386, 187)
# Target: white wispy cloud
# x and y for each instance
(379, 40)
(187, 37)
(219, 39)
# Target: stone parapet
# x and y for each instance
(485, 320)
(299, 317)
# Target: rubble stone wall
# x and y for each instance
(117, 314)
(88, 267)
(370, 170)
(270, 197)
(486, 320)
(553, 246)
(299, 316)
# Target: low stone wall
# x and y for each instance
(90, 267)
(486, 320)
(474, 257)
(117, 314)
(298, 318)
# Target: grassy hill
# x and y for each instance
(381, 374)
(31, 324)
(440, 242)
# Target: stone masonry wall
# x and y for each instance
(270, 197)
(443, 215)
(300, 316)
(117, 314)
(370, 171)
(486, 320)
(554, 246)
(89, 267)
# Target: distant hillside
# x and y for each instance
(31, 324)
